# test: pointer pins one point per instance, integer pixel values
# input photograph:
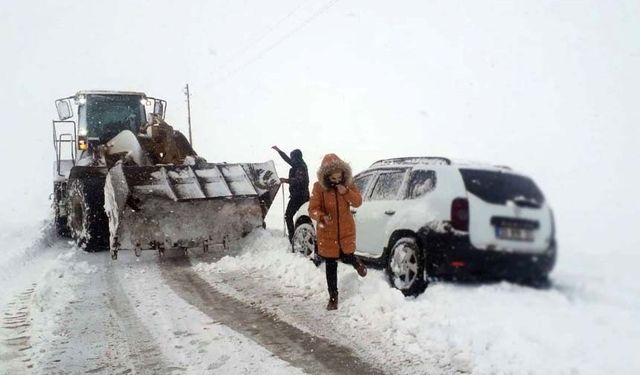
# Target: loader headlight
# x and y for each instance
(82, 143)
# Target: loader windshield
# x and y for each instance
(108, 115)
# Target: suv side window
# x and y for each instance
(387, 186)
(362, 182)
(420, 183)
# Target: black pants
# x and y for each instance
(292, 207)
(331, 266)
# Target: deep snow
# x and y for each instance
(587, 323)
(80, 312)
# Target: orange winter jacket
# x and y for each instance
(340, 232)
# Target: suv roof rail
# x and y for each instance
(437, 160)
(504, 167)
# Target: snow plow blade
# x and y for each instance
(185, 206)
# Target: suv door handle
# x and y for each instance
(390, 212)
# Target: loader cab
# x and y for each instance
(103, 116)
(100, 115)
(94, 117)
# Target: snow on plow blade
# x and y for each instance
(169, 206)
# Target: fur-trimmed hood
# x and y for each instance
(332, 163)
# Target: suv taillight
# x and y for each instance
(460, 214)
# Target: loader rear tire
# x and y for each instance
(87, 219)
(62, 228)
(59, 205)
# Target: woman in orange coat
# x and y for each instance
(332, 197)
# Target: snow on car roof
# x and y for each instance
(478, 164)
(434, 160)
(437, 160)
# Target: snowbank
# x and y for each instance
(25, 251)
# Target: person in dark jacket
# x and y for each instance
(298, 186)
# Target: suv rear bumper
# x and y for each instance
(453, 256)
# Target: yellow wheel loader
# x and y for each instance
(126, 180)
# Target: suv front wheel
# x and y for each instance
(406, 267)
(304, 239)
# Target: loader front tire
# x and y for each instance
(87, 219)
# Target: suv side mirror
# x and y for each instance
(64, 109)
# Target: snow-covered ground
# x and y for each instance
(76, 312)
(25, 254)
(587, 323)
(70, 311)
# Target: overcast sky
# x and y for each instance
(550, 88)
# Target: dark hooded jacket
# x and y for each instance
(298, 175)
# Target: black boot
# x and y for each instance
(361, 268)
(293, 247)
(333, 301)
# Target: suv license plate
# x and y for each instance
(515, 234)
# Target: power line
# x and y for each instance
(259, 38)
(262, 53)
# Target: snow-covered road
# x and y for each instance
(301, 349)
(587, 323)
(257, 308)
(83, 313)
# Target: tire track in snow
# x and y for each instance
(309, 353)
(78, 319)
(16, 339)
(143, 354)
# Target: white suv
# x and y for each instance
(426, 217)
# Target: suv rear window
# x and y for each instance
(420, 183)
(499, 187)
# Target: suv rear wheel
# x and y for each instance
(406, 266)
